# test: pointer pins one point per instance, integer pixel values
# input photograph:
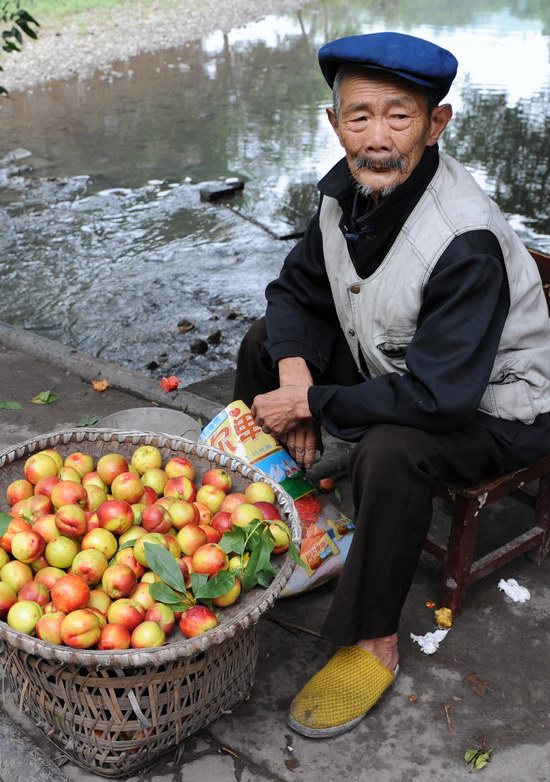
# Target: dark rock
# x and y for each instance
(184, 326)
(152, 365)
(232, 315)
(211, 191)
(199, 347)
(215, 338)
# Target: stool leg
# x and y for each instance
(460, 552)
(542, 519)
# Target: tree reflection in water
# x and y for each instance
(510, 145)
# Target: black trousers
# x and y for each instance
(393, 470)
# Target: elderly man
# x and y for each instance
(409, 320)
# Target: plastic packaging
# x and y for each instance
(326, 532)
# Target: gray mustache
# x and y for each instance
(385, 164)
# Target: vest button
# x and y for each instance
(355, 289)
(351, 332)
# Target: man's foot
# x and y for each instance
(340, 694)
(385, 649)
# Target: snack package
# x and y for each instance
(326, 532)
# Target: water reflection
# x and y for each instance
(249, 103)
(510, 144)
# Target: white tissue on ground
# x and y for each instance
(429, 643)
(511, 587)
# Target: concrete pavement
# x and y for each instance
(488, 681)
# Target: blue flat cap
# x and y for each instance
(414, 59)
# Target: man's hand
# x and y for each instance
(301, 443)
(280, 411)
(285, 413)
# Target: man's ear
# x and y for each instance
(441, 116)
(333, 119)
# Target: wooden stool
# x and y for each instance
(459, 569)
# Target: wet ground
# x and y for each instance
(487, 683)
(105, 244)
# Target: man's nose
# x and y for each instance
(377, 136)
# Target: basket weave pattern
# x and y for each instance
(114, 712)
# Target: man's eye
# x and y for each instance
(398, 116)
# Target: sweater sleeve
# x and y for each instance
(301, 317)
(449, 359)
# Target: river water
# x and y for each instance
(105, 244)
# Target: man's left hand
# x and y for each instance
(277, 412)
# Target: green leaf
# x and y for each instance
(249, 574)
(7, 405)
(255, 530)
(24, 16)
(164, 565)
(180, 606)
(234, 541)
(295, 555)
(266, 547)
(470, 754)
(45, 398)
(90, 421)
(265, 577)
(128, 544)
(213, 587)
(164, 594)
(5, 519)
(481, 760)
(292, 550)
(337, 493)
(198, 580)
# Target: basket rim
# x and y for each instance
(256, 602)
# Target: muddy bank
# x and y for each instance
(86, 42)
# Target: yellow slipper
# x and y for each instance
(340, 694)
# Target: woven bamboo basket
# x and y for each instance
(115, 712)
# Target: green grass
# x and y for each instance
(55, 9)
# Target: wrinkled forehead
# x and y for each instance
(382, 80)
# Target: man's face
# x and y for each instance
(384, 127)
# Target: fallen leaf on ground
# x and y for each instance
(477, 758)
(90, 421)
(100, 385)
(44, 398)
(413, 698)
(5, 404)
(477, 684)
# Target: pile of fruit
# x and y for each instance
(114, 555)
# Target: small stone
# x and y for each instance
(184, 326)
(232, 315)
(199, 347)
(152, 365)
(215, 338)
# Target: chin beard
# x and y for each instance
(382, 192)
